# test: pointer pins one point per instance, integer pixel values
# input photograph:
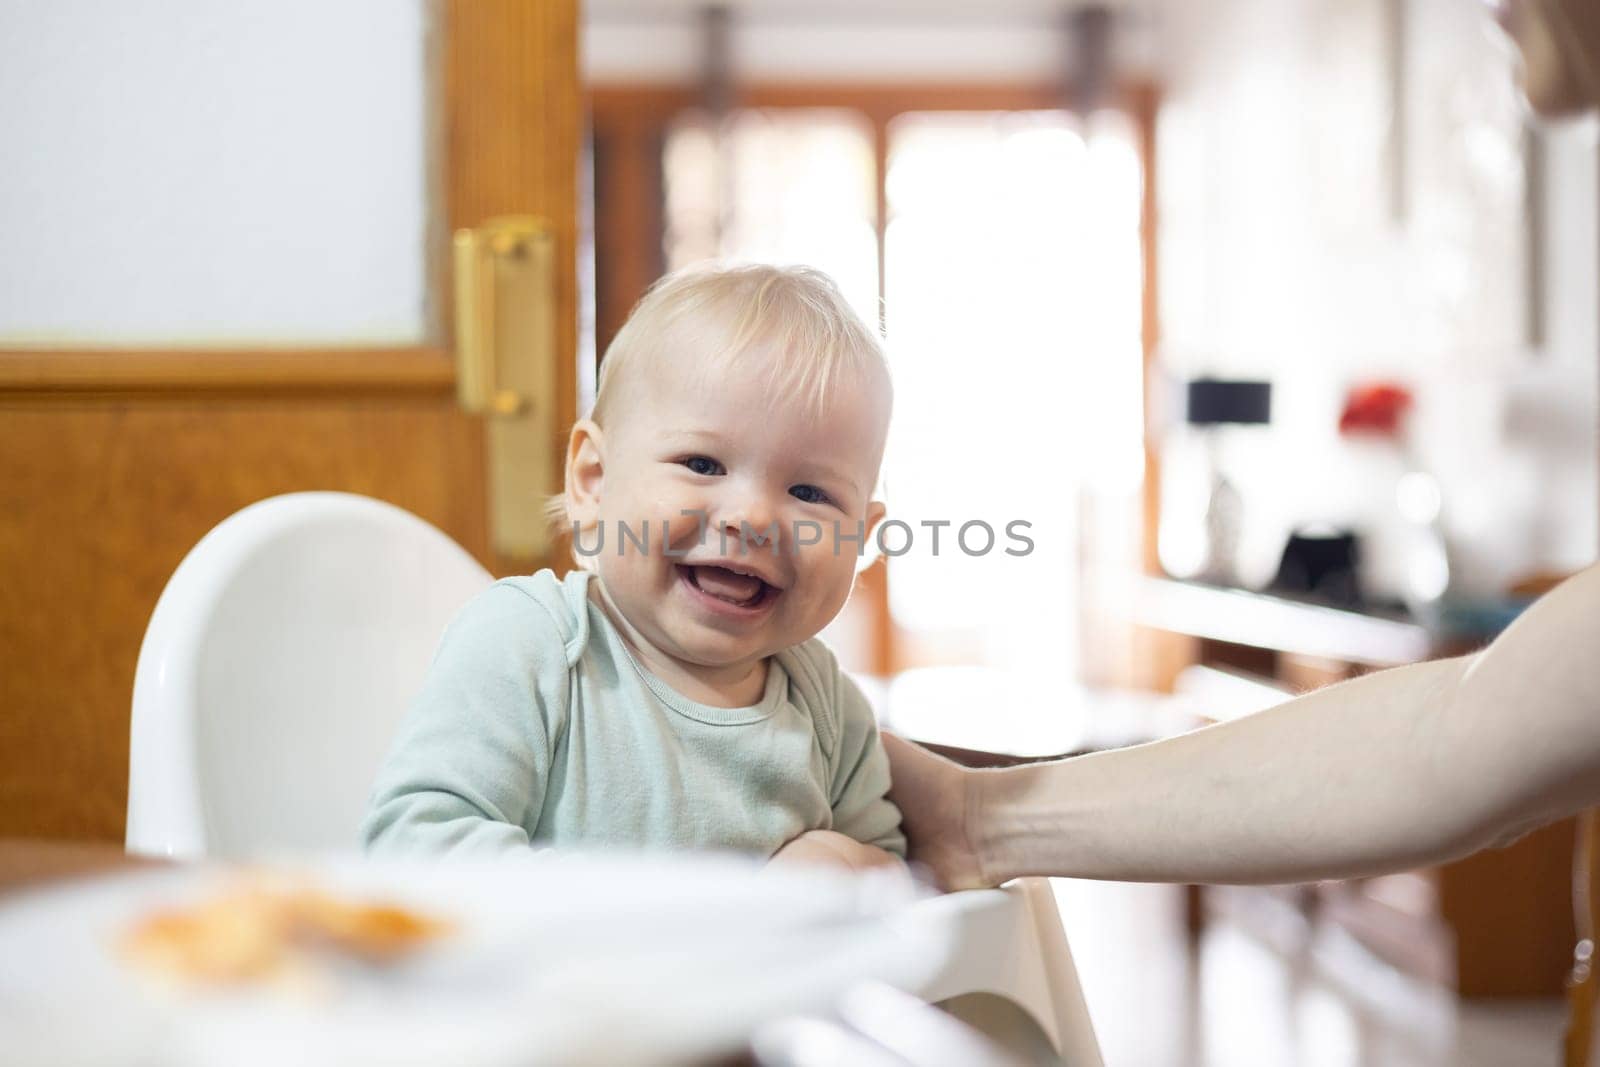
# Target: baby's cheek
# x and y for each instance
(684, 532)
(829, 569)
(668, 516)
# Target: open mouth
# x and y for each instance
(730, 587)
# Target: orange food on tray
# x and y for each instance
(256, 932)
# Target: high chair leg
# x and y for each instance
(1063, 993)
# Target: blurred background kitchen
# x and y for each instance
(1276, 319)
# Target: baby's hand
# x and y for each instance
(833, 849)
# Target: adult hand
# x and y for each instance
(937, 800)
(832, 849)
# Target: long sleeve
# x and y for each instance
(469, 767)
(859, 788)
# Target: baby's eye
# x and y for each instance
(809, 494)
(703, 465)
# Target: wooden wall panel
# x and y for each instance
(99, 501)
(1511, 911)
(628, 224)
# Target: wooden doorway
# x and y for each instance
(631, 126)
(115, 461)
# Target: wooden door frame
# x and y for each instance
(115, 461)
(634, 117)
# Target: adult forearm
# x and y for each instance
(1285, 795)
(1395, 769)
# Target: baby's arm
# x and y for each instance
(830, 848)
(859, 788)
(866, 825)
(468, 769)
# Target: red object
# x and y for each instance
(1375, 408)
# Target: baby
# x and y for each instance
(672, 691)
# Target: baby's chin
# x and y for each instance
(718, 652)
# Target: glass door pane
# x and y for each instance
(192, 173)
(792, 186)
(1012, 291)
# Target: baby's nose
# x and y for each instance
(751, 524)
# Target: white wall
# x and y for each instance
(865, 40)
(1282, 256)
(183, 172)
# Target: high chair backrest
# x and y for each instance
(275, 669)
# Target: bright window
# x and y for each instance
(1012, 306)
(1012, 297)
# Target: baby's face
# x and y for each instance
(711, 454)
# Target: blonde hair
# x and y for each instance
(795, 317)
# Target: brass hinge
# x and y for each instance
(505, 314)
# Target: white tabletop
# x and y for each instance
(555, 960)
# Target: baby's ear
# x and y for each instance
(585, 472)
(876, 510)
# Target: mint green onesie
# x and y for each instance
(535, 725)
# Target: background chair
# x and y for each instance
(275, 669)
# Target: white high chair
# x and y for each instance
(1009, 944)
(280, 658)
(275, 669)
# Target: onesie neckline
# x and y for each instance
(593, 618)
